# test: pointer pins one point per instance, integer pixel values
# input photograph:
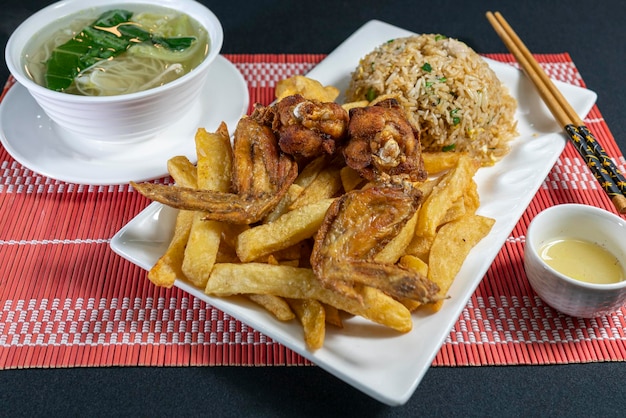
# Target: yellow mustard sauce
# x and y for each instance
(582, 260)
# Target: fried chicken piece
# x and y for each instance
(305, 128)
(383, 145)
(260, 169)
(357, 226)
(261, 177)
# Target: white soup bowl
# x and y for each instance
(123, 118)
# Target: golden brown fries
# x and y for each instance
(451, 245)
(283, 206)
(396, 248)
(307, 87)
(286, 231)
(169, 266)
(325, 185)
(436, 162)
(276, 305)
(267, 259)
(214, 161)
(420, 247)
(183, 171)
(312, 316)
(333, 316)
(352, 105)
(301, 283)
(445, 193)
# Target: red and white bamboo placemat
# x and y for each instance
(67, 300)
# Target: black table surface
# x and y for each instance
(591, 31)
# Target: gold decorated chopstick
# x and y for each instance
(601, 165)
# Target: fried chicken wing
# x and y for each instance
(357, 226)
(225, 207)
(261, 176)
(383, 145)
(260, 169)
(305, 128)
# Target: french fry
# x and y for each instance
(414, 263)
(168, 266)
(310, 171)
(301, 283)
(436, 162)
(215, 159)
(350, 178)
(325, 185)
(287, 230)
(332, 316)
(395, 248)
(182, 171)
(213, 173)
(226, 252)
(351, 105)
(420, 247)
(312, 316)
(283, 206)
(292, 252)
(455, 211)
(451, 246)
(450, 188)
(471, 198)
(202, 249)
(275, 305)
(427, 187)
(307, 87)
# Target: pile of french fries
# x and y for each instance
(269, 262)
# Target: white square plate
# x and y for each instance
(382, 363)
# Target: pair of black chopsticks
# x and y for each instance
(601, 165)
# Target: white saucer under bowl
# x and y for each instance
(36, 142)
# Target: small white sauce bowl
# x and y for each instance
(114, 119)
(563, 293)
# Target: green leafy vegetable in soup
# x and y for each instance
(120, 52)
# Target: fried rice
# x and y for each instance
(454, 97)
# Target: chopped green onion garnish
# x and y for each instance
(447, 148)
(371, 94)
(427, 67)
(440, 37)
(455, 119)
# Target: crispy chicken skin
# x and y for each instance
(260, 169)
(305, 128)
(357, 226)
(261, 176)
(383, 144)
